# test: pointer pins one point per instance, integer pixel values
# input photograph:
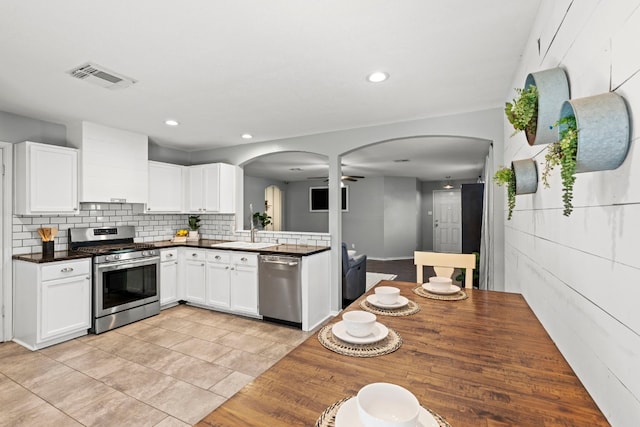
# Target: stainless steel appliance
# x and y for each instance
(280, 290)
(125, 275)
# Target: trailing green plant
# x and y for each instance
(522, 113)
(505, 177)
(262, 218)
(563, 153)
(194, 222)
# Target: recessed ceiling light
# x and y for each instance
(247, 136)
(377, 77)
(171, 122)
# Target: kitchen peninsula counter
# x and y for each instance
(482, 361)
(276, 249)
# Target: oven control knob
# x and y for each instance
(148, 253)
(116, 256)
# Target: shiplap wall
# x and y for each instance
(581, 275)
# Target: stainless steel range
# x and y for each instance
(125, 275)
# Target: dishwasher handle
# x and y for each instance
(289, 263)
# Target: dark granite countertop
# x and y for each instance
(57, 256)
(295, 250)
(276, 249)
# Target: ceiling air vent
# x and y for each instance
(101, 76)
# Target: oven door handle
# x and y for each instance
(128, 264)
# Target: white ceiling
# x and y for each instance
(429, 159)
(275, 69)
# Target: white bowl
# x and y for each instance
(440, 283)
(387, 294)
(387, 405)
(359, 323)
(351, 253)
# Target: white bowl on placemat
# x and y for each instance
(359, 323)
(387, 294)
(440, 283)
(387, 405)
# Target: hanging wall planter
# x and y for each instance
(525, 175)
(603, 131)
(553, 91)
(520, 178)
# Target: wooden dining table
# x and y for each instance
(482, 361)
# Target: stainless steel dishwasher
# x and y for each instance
(279, 289)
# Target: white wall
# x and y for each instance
(581, 274)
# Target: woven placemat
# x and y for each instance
(407, 310)
(391, 343)
(460, 295)
(328, 416)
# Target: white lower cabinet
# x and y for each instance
(52, 302)
(194, 276)
(169, 291)
(244, 283)
(222, 280)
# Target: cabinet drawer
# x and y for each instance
(191, 254)
(243, 258)
(60, 270)
(168, 255)
(218, 256)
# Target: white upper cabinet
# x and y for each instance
(211, 188)
(165, 187)
(113, 163)
(46, 179)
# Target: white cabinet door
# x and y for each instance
(218, 285)
(195, 189)
(165, 187)
(211, 188)
(211, 196)
(194, 277)
(244, 289)
(65, 306)
(168, 282)
(46, 179)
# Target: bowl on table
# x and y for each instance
(438, 283)
(359, 323)
(387, 294)
(351, 253)
(387, 405)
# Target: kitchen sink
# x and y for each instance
(243, 245)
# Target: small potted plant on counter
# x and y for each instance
(194, 226)
(261, 220)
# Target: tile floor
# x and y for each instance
(168, 370)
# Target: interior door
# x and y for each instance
(447, 224)
(273, 207)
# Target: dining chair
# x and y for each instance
(444, 264)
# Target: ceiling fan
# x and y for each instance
(352, 178)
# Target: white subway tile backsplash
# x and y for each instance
(149, 227)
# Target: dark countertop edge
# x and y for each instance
(276, 249)
(57, 256)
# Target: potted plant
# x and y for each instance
(520, 178)
(563, 153)
(551, 91)
(522, 113)
(194, 225)
(261, 220)
(505, 177)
